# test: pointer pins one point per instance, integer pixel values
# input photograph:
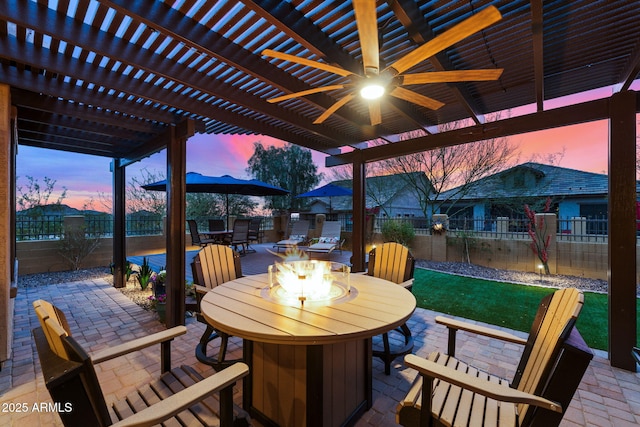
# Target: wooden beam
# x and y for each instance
(538, 57)
(119, 224)
(175, 246)
(359, 196)
(563, 116)
(622, 230)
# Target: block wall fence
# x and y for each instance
(576, 258)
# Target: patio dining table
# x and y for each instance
(311, 364)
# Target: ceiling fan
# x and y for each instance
(373, 84)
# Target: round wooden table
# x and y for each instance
(309, 365)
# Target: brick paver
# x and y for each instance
(100, 316)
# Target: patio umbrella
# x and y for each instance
(198, 183)
(329, 190)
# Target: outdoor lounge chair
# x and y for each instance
(554, 359)
(213, 266)
(180, 395)
(197, 238)
(394, 262)
(329, 239)
(298, 236)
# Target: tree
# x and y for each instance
(450, 167)
(289, 167)
(141, 200)
(35, 197)
(202, 205)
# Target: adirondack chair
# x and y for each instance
(298, 236)
(394, 262)
(449, 392)
(180, 395)
(212, 266)
(329, 239)
(196, 237)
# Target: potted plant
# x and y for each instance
(159, 304)
(159, 283)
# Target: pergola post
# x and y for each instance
(119, 223)
(622, 230)
(176, 189)
(359, 205)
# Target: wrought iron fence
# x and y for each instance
(50, 227)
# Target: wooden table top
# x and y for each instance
(238, 308)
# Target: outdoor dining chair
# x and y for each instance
(197, 239)
(240, 238)
(213, 266)
(449, 392)
(180, 395)
(393, 262)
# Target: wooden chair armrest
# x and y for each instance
(200, 289)
(430, 369)
(137, 344)
(455, 325)
(180, 401)
(408, 284)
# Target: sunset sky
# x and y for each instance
(585, 148)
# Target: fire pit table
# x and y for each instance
(310, 362)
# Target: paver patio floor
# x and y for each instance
(100, 316)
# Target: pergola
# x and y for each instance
(125, 79)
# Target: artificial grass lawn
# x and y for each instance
(505, 304)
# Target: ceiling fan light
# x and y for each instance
(372, 91)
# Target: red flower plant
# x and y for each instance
(537, 230)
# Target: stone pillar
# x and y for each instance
(439, 239)
(502, 224)
(320, 219)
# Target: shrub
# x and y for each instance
(144, 275)
(398, 231)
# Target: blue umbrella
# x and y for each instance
(329, 190)
(198, 183)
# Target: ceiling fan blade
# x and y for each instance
(367, 22)
(416, 98)
(464, 29)
(374, 112)
(335, 107)
(308, 62)
(451, 76)
(305, 92)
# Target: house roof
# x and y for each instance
(380, 190)
(549, 181)
(112, 78)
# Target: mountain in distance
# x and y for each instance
(55, 209)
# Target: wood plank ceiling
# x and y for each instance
(109, 77)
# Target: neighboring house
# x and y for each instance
(573, 193)
(388, 195)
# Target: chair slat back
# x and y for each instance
(53, 330)
(216, 225)
(216, 264)
(300, 228)
(193, 230)
(241, 230)
(391, 261)
(68, 370)
(554, 321)
(331, 229)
